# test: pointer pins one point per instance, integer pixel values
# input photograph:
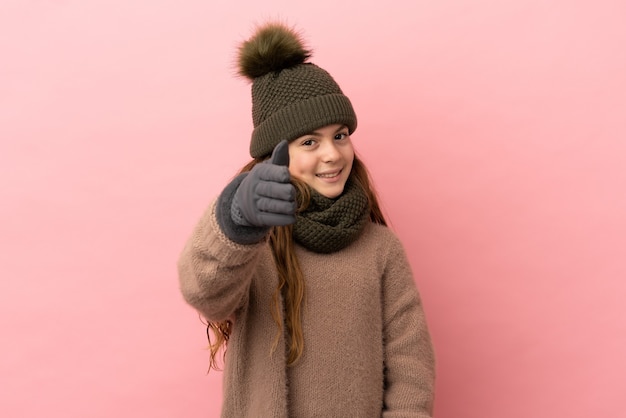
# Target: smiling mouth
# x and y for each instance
(329, 175)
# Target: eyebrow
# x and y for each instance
(316, 133)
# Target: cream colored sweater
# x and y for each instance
(367, 348)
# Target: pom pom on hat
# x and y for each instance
(273, 47)
(290, 96)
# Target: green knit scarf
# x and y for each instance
(328, 225)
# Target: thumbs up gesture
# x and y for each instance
(266, 197)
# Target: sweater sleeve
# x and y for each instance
(408, 352)
(215, 272)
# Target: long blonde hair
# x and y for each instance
(291, 281)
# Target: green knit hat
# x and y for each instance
(290, 97)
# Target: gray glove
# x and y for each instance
(265, 197)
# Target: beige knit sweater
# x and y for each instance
(367, 348)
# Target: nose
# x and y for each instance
(330, 153)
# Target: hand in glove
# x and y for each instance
(265, 197)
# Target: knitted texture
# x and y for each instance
(290, 97)
(367, 349)
(295, 102)
(329, 225)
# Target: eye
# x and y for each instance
(341, 135)
(308, 142)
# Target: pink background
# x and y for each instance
(495, 132)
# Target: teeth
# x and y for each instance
(328, 175)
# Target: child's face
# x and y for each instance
(323, 159)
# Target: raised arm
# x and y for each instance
(219, 260)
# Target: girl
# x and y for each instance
(293, 266)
